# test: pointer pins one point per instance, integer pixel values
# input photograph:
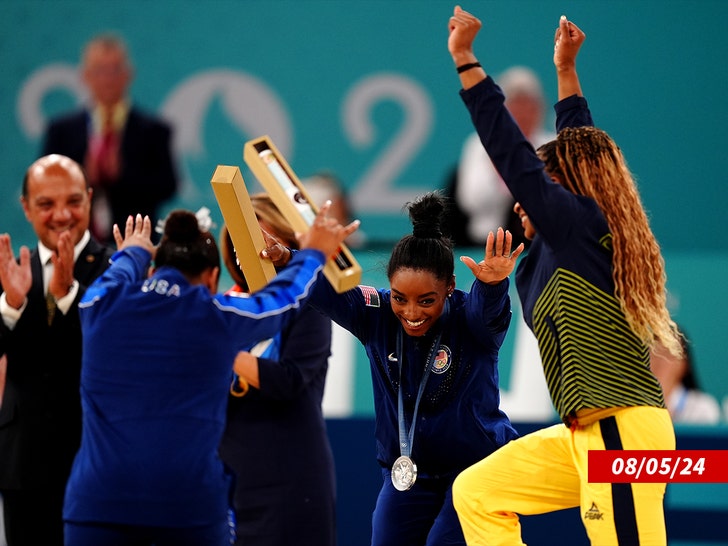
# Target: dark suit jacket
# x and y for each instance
(40, 417)
(148, 175)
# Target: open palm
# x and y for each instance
(498, 261)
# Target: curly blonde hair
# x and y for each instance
(586, 161)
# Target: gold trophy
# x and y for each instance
(242, 224)
(294, 202)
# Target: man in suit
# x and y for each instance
(40, 334)
(125, 151)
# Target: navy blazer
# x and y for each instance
(40, 417)
(148, 176)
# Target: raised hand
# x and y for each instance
(326, 234)
(137, 232)
(15, 276)
(463, 28)
(567, 41)
(62, 277)
(498, 261)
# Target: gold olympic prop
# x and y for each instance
(290, 196)
(242, 224)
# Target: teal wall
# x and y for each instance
(366, 88)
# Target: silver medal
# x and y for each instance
(404, 473)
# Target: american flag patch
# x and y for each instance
(371, 296)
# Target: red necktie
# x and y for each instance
(107, 153)
(103, 170)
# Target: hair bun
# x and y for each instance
(425, 230)
(426, 214)
(181, 227)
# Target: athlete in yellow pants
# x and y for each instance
(547, 471)
(592, 289)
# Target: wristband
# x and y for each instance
(463, 67)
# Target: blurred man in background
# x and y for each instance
(125, 151)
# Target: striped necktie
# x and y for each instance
(51, 307)
(50, 300)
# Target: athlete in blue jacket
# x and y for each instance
(158, 353)
(433, 352)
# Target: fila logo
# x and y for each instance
(593, 513)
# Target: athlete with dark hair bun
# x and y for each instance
(158, 353)
(433, 352)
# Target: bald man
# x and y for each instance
(40, 335)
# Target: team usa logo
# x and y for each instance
(443, 359)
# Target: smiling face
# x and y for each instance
(56, 199)
(418, 299)
(529, 232)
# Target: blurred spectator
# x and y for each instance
(685, 400)
(125, 151)
(479, 192)
(325, 185)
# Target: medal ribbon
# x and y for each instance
(406, 437)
